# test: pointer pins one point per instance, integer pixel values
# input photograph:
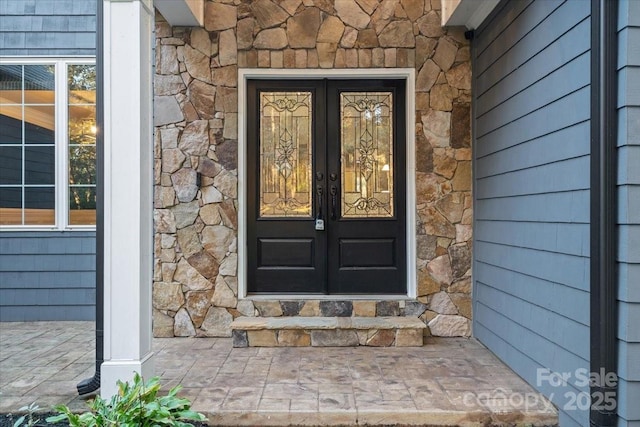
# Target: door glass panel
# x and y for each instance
(366, 154)
(285, 154)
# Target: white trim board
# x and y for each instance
(361, 73)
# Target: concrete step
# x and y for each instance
(327, 331)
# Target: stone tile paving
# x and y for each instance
(453, 381)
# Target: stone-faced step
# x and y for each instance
(338, 308)
(327, 331)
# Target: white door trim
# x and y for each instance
(361, 73)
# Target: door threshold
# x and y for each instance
(325, 297)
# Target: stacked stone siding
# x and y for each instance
(196, 144)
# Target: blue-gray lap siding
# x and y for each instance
(629, 211)
(531, 183)
(47, 275)
(47, 27)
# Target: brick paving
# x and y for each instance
(446, 382)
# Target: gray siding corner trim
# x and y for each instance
(47, 275)
(629, 212)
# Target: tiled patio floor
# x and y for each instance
(446, 382)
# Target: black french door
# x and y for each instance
(326, 187)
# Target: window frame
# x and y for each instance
(61, 141)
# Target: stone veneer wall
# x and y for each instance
(196, 117)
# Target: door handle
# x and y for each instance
(319, 220)
(334, 202)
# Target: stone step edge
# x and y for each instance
(326, 323)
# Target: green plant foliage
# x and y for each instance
(136, 405)
(29, 419)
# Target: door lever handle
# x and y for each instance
(319, 193)
(319, 220)
(334, 202)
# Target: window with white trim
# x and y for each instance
(47, 144)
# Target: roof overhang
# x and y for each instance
(468, 13)
(182, 13)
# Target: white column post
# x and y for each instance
(128, 190)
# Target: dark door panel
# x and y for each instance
(366, 156)
(286, 253)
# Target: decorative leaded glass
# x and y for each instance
(366, 154)
(285, 154)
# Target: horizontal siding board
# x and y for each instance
(629, 204)
(46, 243)
(566, 238)
(565, 80)
(49, 40)
(47, 52)
(566, 143)
(562, 176)
(47, 279)
(628, 47)
(629, 164)
(51, 313)
(629, 244)
(629, 278)
(549, 59)
(55, 23)
(44, 7)
(527, 368)
(45, 297)
(554, 327)
(552, 296)
(629, 86)
(560, 114)
(84, 7)
(569, 270)
(524, 25)
(490, 69)
(18, 7)
(628, 407)
(629, 361)
(47, 263)
(554, 207)
(63, 7)
(629, 125)
(629, 13)
(628, 321)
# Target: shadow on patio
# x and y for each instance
(445, 382)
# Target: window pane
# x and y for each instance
(82, 124)
(11, 206)
(10, 125)
(82, 139)
(285, 154)
(39, 206)
(40, 165)
(10, 165)
(82, 165)
(10, 84)
(39, 126)
(82, 206)
(39, 84)
(82, 84)
(366, 154)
